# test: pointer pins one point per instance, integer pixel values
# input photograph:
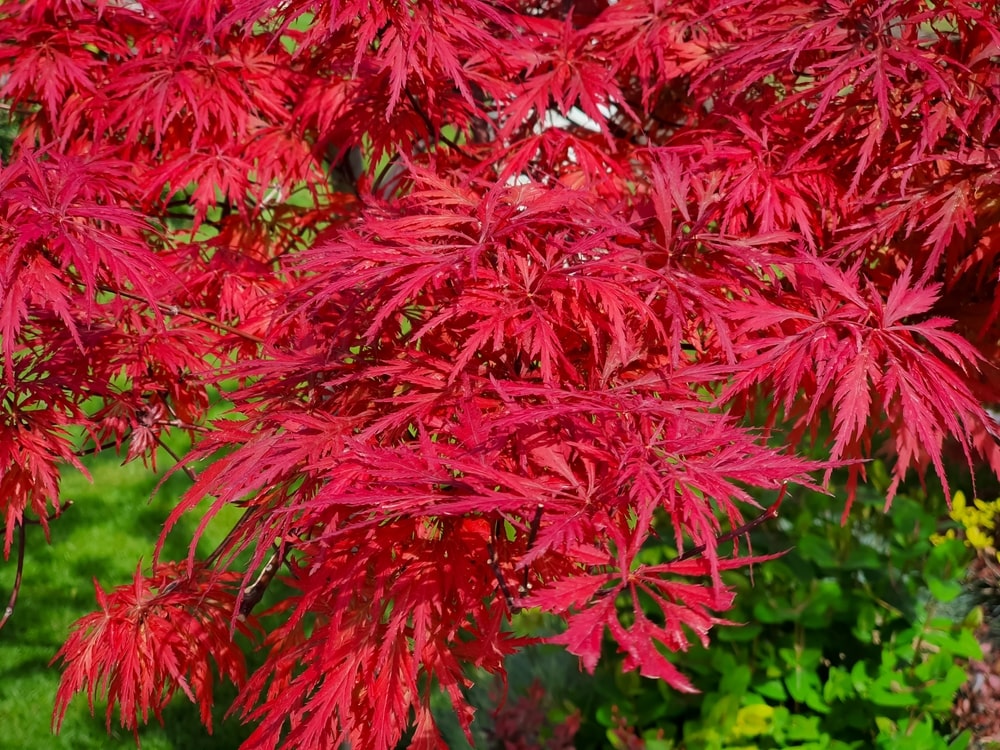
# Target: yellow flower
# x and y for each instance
(978, 538)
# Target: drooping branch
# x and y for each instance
(536, 523)
(501, 581)
(50, 517)
(767, 515)
(12, 601)
(384, 173)
(434, 131)
(495, 562)
(168, 309)
(94, 449)
(253, 593)
(191, 474)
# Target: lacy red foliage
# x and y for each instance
(167, 628)
(506, 289)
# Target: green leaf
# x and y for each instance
(864, 623)
(772, 689)
(753, 721)
(957, 641)
(739, 633)
(885, 725)
(698, 736)
(839, 685)
(770, 612)
(722, 661)
(803, 686)
(801, 658)
(862, 557)
(604, 716)
(944, 568)
(803, 728)
(909, 735)
(826, 598)
(723, 710)
(657, 743)
(889, 690)
(907, 515)
(860, 679)
(962, 741)
(735, 680)
(944, 590)
(819, 550)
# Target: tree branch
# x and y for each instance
(38, 521)
(253, 593)
(95, 448)
(767, 515)
(495, 566)
(175, 310)
(177, 459)
(536, 522)
(431, 129)
(17, 576)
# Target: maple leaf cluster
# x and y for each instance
(507, 290)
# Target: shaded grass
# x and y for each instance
(111, 528)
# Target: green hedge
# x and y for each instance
(857, 637)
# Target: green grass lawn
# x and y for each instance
(111, 526)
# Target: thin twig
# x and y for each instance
(234, 532)
(180, 424)
(176, 421)
(95, 448)
(383, 173)
(253, 593)
(177, 459)
(767, 515)
(50, 517)
(504, 589)
(536, 522)
(17, 576)
(495, 566)
(432, 130)
(175, 310)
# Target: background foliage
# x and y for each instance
(859, 637)
(849, 642)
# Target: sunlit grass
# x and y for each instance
(112, 526)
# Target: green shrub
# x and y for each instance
(857, 637)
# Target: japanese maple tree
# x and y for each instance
(506, 288)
